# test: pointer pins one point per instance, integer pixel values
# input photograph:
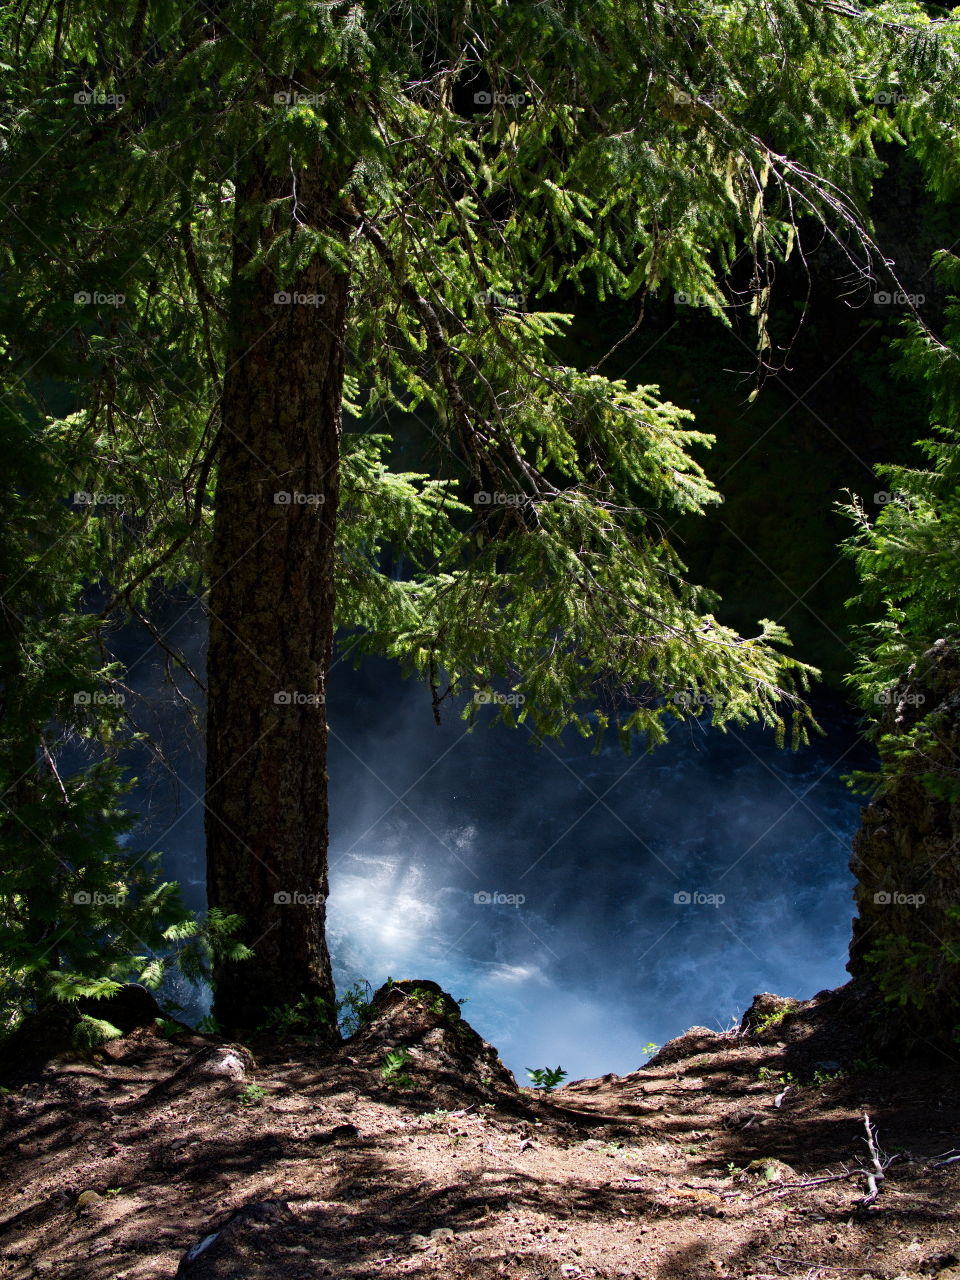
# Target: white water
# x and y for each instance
(599, 959)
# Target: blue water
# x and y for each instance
(658, 890)
(546, 887)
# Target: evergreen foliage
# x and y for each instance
(908, 556)
(490, 157)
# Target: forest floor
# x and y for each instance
(741, 1154)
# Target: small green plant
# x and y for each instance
(167, 1028)
(310, 1017)
(766, 1075)
(354, 1009)
(209, 1026)
(771, 1019)
(822, 1077)
(546, 1078)
(392, 1068)
(90, 1034)
(439, 1117)
(113, 1191)
(868, 1062)
(252, 1095)
(432, 999)
(649, 1049)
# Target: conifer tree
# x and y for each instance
(304, 204)
(908, 562)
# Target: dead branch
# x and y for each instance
(783, 1187)
(876, 1172)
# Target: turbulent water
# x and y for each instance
(582, 905)
(585, 905)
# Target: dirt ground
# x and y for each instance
(734, 1155)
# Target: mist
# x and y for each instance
(582, 906)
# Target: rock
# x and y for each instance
(49, 1031)
(225, 1062)
(448, 1061)
(696, 1040)
(763, 1008)
(250, 1243)
(344, 1133)
(339, 1133)
(743, 1118)
(86, 1199)
(211, 1063)
(131, 1007)
(767, 1170)
(202, 1246)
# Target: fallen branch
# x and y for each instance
(782, 1187)
(876, 1172)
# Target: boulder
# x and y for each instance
(252, 1242)
(52, 1030)
(766, 1012)
(696, 1040)
(447, 1058)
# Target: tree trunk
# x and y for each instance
(271, 601)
